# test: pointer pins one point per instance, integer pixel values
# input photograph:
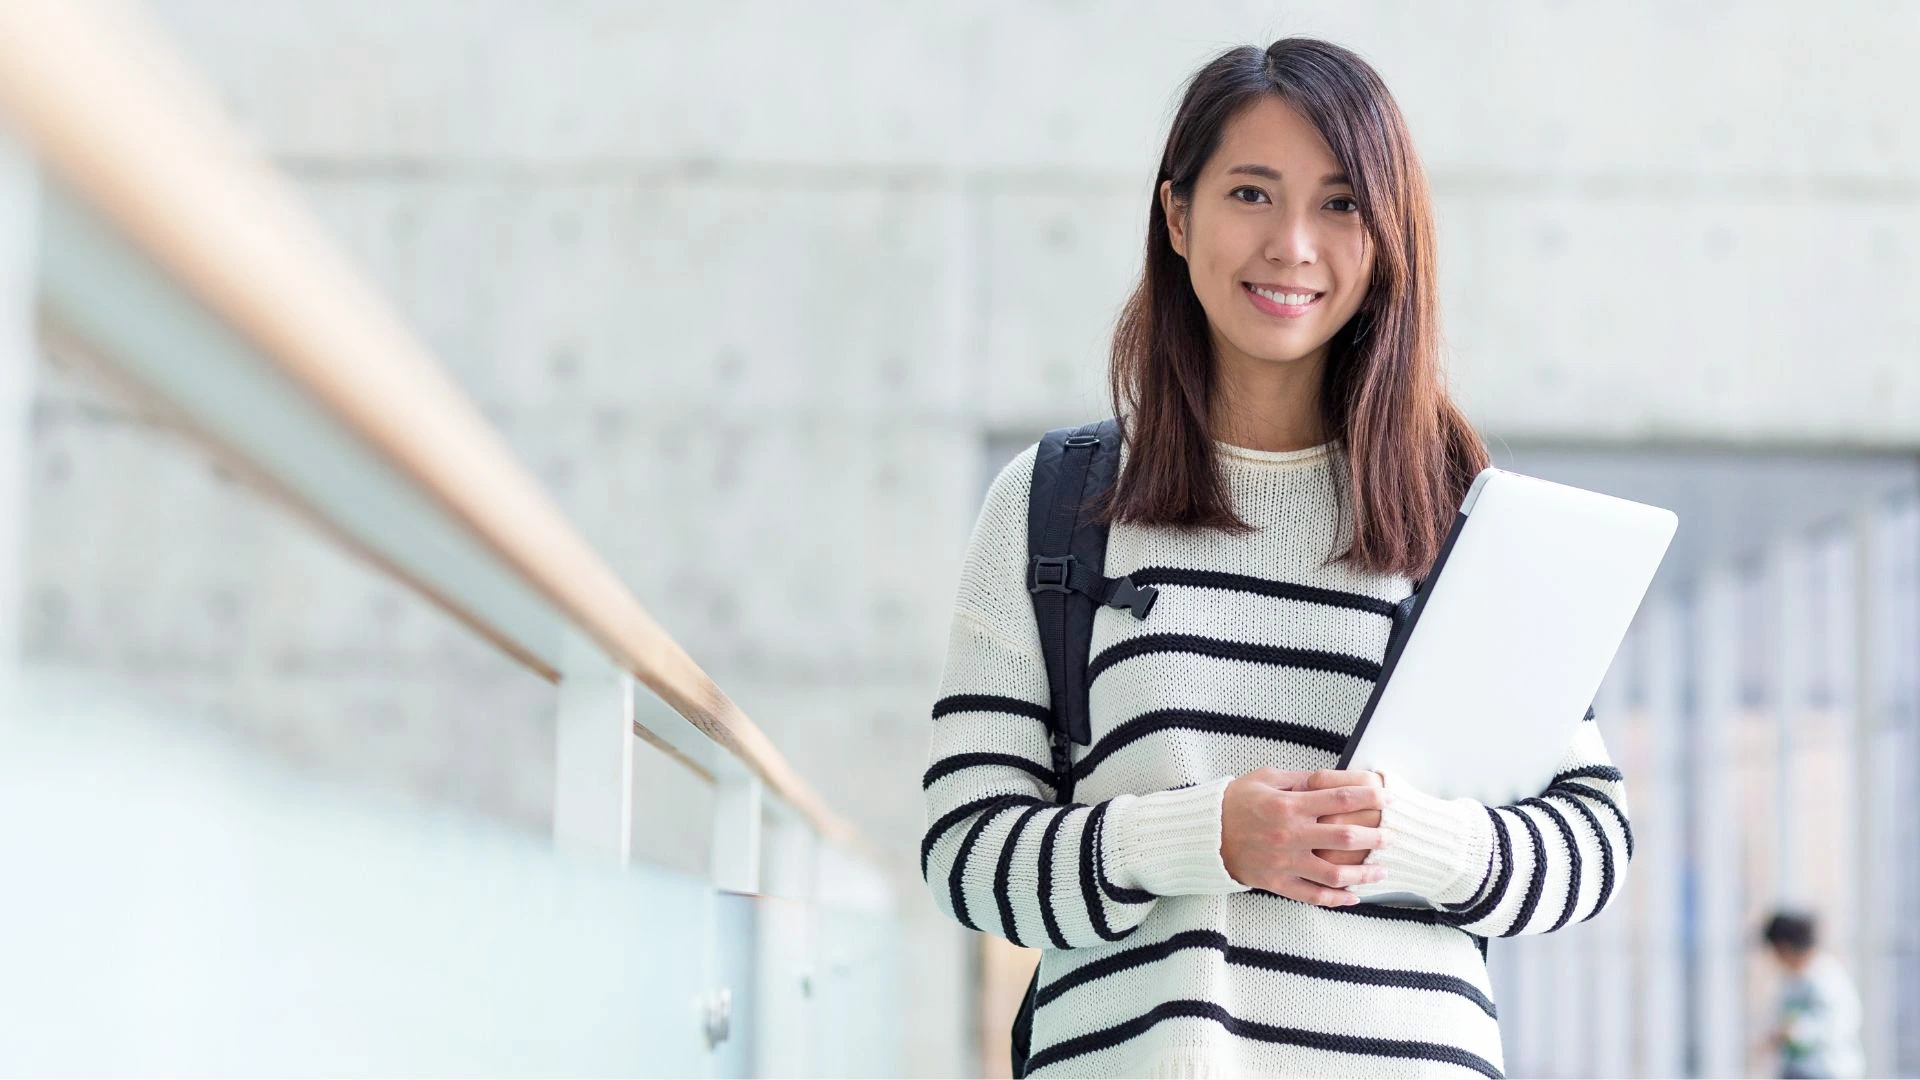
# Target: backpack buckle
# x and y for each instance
(1137, 598)
(1050, 573)
(1083, 440)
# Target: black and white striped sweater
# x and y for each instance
(1156, 961)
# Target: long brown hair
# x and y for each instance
(1410, 454)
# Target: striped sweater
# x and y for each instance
(1155, 961)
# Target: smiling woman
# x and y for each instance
(1288, 462)
(1290, 172)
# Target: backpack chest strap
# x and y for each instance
(1064, 573)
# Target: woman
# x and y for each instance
(1291, 463)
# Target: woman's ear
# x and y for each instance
(1176, 225)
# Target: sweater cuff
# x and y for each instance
(1436, 848)
(1168, 842)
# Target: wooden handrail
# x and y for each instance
(117, 117)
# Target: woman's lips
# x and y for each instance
(1284, 311)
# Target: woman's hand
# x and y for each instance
(1275, 834)
(1321, 779)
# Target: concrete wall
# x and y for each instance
(754, 286)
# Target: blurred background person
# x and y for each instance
(1819, 1019)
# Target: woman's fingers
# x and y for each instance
(1286, 779)
(1345, 837)
(1337, 876)
(1332, 778)
(1318, 895)
(1340, 800)
(1311, 844)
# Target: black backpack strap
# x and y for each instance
(1066, 563)
(1403, 616)
(1020, 1041)
(1065, 569)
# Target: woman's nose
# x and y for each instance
(1292, 240)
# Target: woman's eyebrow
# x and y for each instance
(1266, 173)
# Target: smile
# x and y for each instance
(1287, 305)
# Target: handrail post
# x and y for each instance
(787, 991)
(19, 202)
(593, 754)
(736, 832)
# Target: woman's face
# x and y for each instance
(1273, 239)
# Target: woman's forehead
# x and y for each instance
(1271, 134)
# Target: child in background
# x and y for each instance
(1819, 1029)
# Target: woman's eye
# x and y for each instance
(1346, 204)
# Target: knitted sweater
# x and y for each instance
(1156, 961)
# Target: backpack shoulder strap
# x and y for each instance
(1066, 559)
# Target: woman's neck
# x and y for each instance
(1268, 404)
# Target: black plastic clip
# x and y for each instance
(1137, 598)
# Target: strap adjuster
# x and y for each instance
(1064, 574)
(1083, 440)
(1050, 573)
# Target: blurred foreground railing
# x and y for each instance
(169, 250)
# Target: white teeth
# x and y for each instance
(1294, 299)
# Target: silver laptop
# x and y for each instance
(1508, 639)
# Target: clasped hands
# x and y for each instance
(1304, 834)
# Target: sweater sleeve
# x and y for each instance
(1527, 867)
(998, 854)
